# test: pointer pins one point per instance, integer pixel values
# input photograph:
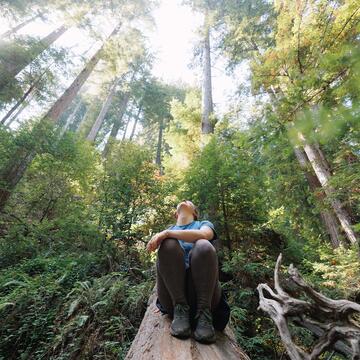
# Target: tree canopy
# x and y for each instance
(96, 151)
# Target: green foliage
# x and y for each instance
(292, 208)
(337, 131)
(49, 211)
(337, 272)
(41, 79)
(131, 193)
(74, 276)
(249, 29)
(47, 303)
(257, 335)
(225, 165)
(183, 132)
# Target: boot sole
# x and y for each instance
(184, 335)
(205, 340)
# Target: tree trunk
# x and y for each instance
(77, 126)
(13, 173)
(63, 102)
(207, 101)
(71, 117)
(98, 122)
(14, 66)
(23, 98)
(159, 146)
(17, 166)
(135, 123)
(22, 108)
(225, 217)
(154, 341)
(327, 217)
(323, 158)
(116, 127)
(323, 176)
(126, 126)
(18, 27)
(322, 171)
(18, 104)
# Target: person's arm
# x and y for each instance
(190, 235)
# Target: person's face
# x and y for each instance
(186, 208)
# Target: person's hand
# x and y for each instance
(156, 240)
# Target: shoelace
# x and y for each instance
(206, 319)
(181, 310)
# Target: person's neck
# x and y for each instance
(184, 220)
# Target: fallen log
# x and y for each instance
(154, 341)
(335, 322)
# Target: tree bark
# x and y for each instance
(116, 127)
(20, 102)
(13, 173)
(15, 66)
(99, 120)
(327, 217)
(23, 106)
(25, 95)
(78, 126)
(135, 123)
(63, 102)
(71, 117)
(154, 341)
(159, 146)
(18, 27)
(15, 169)
(322, 171)
(125, 130)
(323, 176)
(207, 102)
(225, 217)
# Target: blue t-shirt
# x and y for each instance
(194, 225)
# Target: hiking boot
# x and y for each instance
(204, 331)
(180, 326)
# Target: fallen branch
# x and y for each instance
(332, 321)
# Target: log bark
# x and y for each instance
(154, 341)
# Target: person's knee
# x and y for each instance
(169, 246)
(204, 247)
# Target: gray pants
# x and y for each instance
(198, 286)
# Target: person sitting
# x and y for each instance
(187, 275)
